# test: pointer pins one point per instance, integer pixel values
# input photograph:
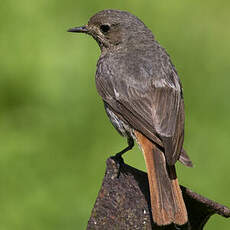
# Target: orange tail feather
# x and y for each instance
(166, 198)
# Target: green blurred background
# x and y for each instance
(54, 134)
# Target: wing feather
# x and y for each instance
(148, 100)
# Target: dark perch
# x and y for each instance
(123, 202)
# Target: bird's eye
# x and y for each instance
(104, 28)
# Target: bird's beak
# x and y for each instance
(81, 29)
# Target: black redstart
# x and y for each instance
(143, 98)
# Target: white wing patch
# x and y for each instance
(117, 95)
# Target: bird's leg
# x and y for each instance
(129, 147)
(118, 157)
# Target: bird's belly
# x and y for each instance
(122, 127)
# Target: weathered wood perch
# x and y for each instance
(123, 202)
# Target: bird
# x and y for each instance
(144, 101)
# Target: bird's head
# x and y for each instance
(115, 29)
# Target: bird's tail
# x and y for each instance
(166, 198)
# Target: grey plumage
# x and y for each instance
(138, 91)
(143, 98)
(140, 82)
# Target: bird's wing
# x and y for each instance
(149, 103)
